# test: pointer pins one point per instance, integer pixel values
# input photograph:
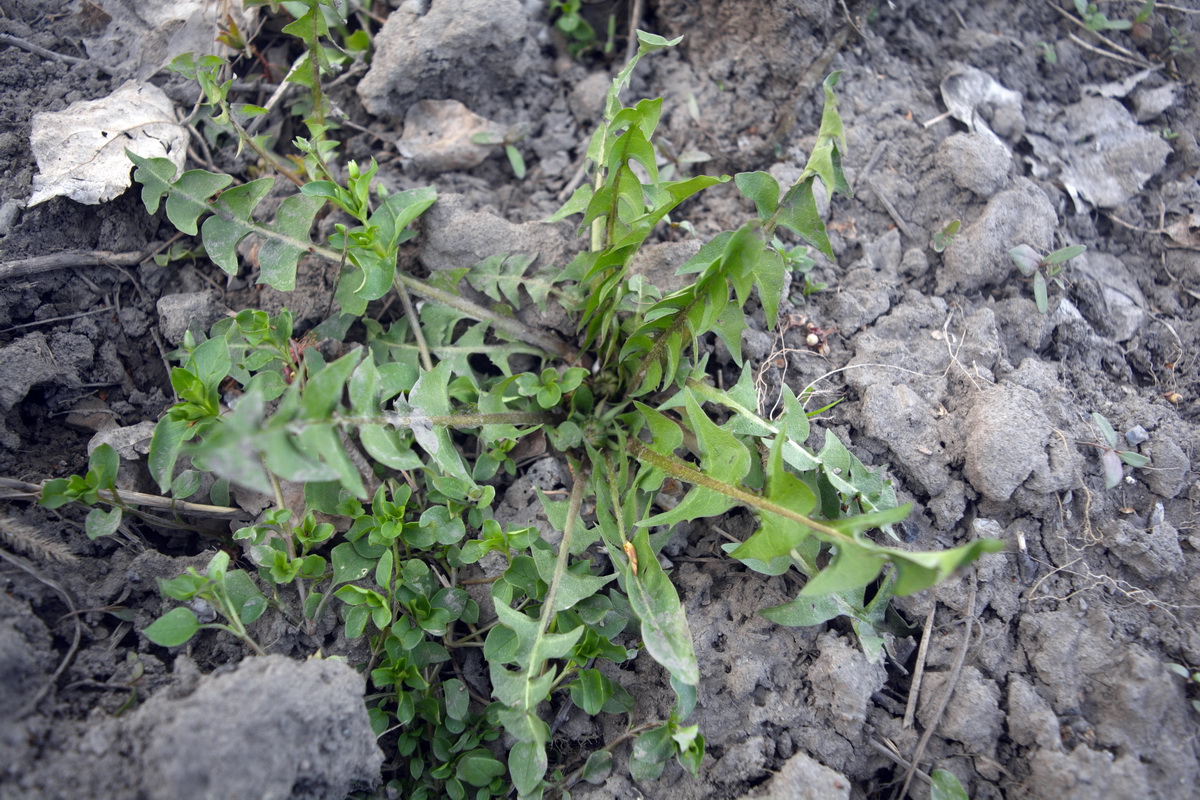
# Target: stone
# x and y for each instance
(438, 136)
(464, 50)
(194, 311)
(1007, 432)
(979, 256)
(976, 161)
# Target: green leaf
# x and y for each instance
(801, 216)
(598, 767)
(104, 463)
(656, 605)
(1133, 459)
(348, 565)
(516, 161)
(944, 785)
(590, 690)
(527, 765)
(102, 523)
(430, 397)
(760, 187)
(1026, 258)
(174, 628)
(247, 601)
(1106, 429)
(478, 767)
(1039, 293)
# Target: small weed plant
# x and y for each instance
(1112, 458)
(401, 439)
(1044, 270)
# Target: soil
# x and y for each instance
(1052, 652)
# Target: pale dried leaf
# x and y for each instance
(80, 151)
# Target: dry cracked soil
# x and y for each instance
(1044, 670)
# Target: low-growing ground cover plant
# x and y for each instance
(1044, 270)
(399, 440)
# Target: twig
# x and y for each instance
(21, 563)
(74, 258)
(414, 322)
(884, 750)
(1102, 52)
(124, 498)
(53, 56)
(948, 690)
(631, 43)
(59, 319)
(1133, 57)
(914, 691)
(891, 209)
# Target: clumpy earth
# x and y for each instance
(1040, 672)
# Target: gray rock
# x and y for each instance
(437, 136)
(1136, 435)
(1152, 553)
(802, 777)
(465, 50)
(904, 421)
(25, 363)
(131, 443)
(273, 728)
(973, 715)
(1109, 296)
(976, 161)
(1006, 432)
(1149, 103)
(1166, 475)
(979, 256)
(1031, 721)
(1119, 158)
(843, 681)
(194, 311)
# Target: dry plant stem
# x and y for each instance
(948, 690)
(34, 490)
(887, 752)
(53, 56)
(551, 344)
(1116, 47)
(414, 323)
(564, 549)
(915, 690)
(32, 702)
(75, 258)
(1102, 52)
(686, 472)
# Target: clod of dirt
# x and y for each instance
(195, 311)
(979, 256)
(972, 717)
(843, 681)
(1169, 467)
(461, 49)
(24, 646)
(1152, 552)
(437, 136)
(457, 236)
(273, 728)
(904, 420)
(1108, 296)
(1031, 721)
(1116, 158)
(1085, 774)
(802, 777)
(1007, 432)
(976, 162)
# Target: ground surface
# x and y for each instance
(980, 405)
